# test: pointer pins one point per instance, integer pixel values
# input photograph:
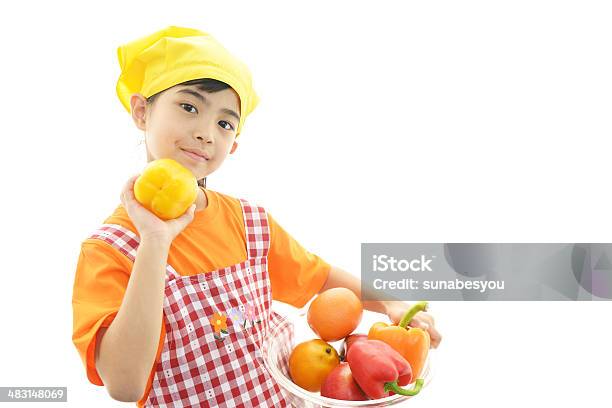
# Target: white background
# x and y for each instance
(422, 121)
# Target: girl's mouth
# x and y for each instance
(194, 156)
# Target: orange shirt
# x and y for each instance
(214, 239)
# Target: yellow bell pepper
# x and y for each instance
(166, 188)
(411, 342)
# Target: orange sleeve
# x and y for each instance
(100, 282)
(296, 275)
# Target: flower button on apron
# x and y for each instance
(219, 323)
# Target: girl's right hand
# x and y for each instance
(149, 225)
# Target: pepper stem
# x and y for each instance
(417, 307)
(392, 386)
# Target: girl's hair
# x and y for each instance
(203, 84)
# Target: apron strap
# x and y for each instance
(256, 229)
(125, 241)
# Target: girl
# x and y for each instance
(175, 312)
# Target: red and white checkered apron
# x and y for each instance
(204, 362)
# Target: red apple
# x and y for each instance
(339, 384)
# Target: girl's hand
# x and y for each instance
(150, 226)
(423, 320)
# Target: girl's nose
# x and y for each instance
(205, 138)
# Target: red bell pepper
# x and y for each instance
(378, 368)
(348, 342)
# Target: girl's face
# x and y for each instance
(193, 127)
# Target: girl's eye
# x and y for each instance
(190, 106)
(225, 125)
(229, 125)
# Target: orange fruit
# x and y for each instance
(310, 363)
(335, 313)
(166, 188)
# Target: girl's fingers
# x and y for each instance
(130, 184)
(182, 221)
(419, 323)
(127, 193)
(426, 317)
(188, 216)
(435, 337)
(424, 321)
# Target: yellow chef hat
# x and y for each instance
(174, 55)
